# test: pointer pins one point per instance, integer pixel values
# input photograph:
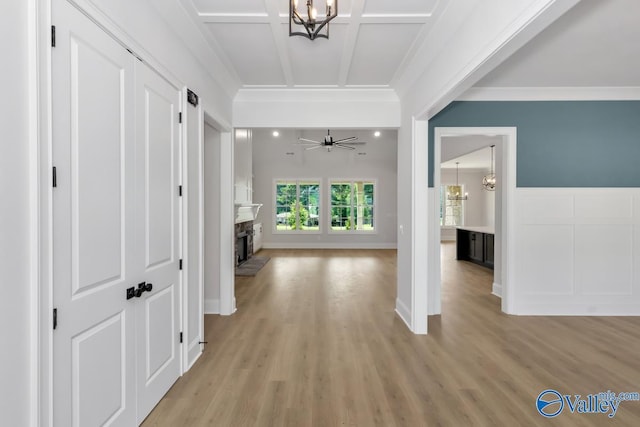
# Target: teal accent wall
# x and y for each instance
(560, 143)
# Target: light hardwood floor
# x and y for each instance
(316, 342)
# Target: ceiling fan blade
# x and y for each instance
(344, 147)
(351, 138)
(308, 141)
(354, 143)
(313, 147)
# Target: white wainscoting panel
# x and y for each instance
(549, 248)
(604, 264)
(577, 251)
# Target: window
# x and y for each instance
(297, 206)
(451, 211)
(352, 206)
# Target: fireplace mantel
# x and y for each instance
(246, 212)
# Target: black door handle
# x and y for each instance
(137, 293)
(142, 287)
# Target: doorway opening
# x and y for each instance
(464, 140)
(219, 238)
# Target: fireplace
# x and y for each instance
(242, 247)
(244, 241)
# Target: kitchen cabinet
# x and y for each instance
(475, 244)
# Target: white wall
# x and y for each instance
(15, 210)
(479, 209)
(271, 161)
(242, 161)
(163, 30)
(316, 108)
(212, 180)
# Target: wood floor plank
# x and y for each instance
(316, 342)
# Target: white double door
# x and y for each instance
(115, 226)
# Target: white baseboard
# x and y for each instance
(497, 290)
(328, 245)
(194, 353)
(212, 306)
(404, 313)
(550, 309)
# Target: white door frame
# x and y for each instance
(507, 240)
(188, 144)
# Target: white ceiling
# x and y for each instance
(477, 160)
(370, 41)
(471, 151)
(595, 44)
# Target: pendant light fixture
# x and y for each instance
(489, 181)
(312, 26)
(457, 195)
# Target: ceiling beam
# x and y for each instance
(357, 7)
(280, 42)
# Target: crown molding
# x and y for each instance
(551, 94)
(318, 94)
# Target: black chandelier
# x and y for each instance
(311, 24)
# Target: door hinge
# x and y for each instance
(53, 36)
(55, 318)
(180, 264)
(181, 337)
(55, 177)
(180, 190)
(180, 117)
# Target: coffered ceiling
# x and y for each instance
(370, 41)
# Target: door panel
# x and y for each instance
(99, 358)
(93, 152)
(159, 138)
(157, 233)
(115, 225)
(161, 333)
(97, 156)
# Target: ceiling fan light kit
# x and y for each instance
(312, 25)
(329, 142)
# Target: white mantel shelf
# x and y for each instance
(246, 212)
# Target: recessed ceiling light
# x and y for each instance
(376, 133)
(276, 133)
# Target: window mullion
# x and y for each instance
(297, 205)
(351, 216)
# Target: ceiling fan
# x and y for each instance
(329, 142)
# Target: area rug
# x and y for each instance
(252, 266)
